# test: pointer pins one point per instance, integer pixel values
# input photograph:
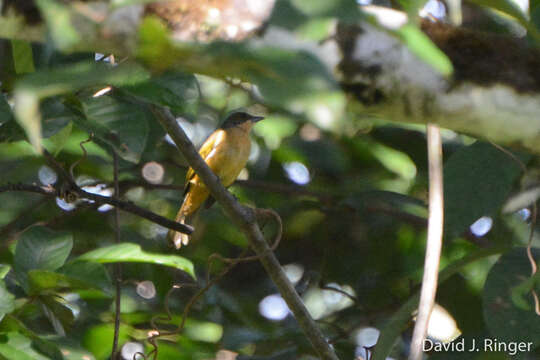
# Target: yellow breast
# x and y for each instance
(230, 154)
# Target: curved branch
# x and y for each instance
(245, 219)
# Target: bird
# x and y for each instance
(226, 152)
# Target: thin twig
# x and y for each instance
(117, 269)
(434, 241)
(245, 219)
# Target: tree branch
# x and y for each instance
(245, 219)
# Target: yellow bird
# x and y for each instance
(226, 152)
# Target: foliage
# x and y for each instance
(351, 191)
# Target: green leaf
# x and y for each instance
(46, 347)
(344, 10)
(6, 300)
(506, 320)
(22, 56)
(73, 276)
(511, 8)
(393, 327)
(4, 269)
(282, 76)
(19, 347)
(412, 6)
(128, 252)
(58, 312)
(69, 78)
(40, 248)
(56, 142)
(122, 125)
(37, 86)
(477, 180)
(98, 339)
(175, 90)
(59, 18)
(422, 46)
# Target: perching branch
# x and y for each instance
(99, 199)
(434, 241)
(245, 219)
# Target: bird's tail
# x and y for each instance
(177, 238)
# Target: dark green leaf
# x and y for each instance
(58, 312)
(506, 320)
(121, 125)
(127, 252)
(477, 180)
(511, 8)
(175, 90)
(40, 248)
(43, 280)
(392, 328)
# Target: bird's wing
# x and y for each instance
(205, 151)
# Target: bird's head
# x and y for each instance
(240, 119)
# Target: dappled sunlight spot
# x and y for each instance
(213, 16)
(309, 132)
(273, 307)
(297, 172)
(64, 205)
(331, 297)
(153, 172)
(100, 189)
(365, 337)
(523, 214)
(364, 2)
(323, 115)
(481, 226)
(244, 174)
(102, 92)
(442, 326)
(321, 303)
(46, 175)
(255, 153)
(226, 355)
(146, 289)
(192, 131)
(130, 349)
(433, 8)
(105, 208)
(294, 272)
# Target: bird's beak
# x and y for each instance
(257, 118)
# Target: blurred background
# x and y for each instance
(350, 187)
